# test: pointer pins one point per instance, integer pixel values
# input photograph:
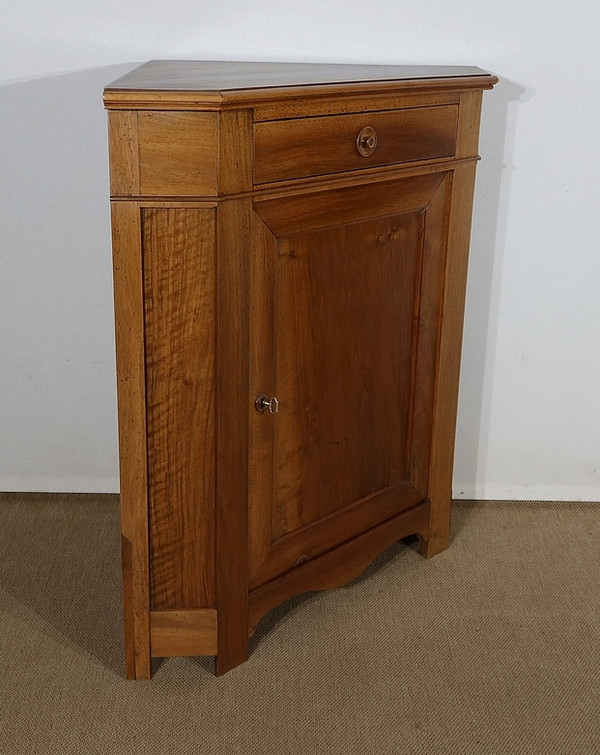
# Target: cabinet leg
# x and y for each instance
(233, 655)
(136, 620)
(438, 537)
(433, 545)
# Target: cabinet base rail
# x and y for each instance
(194, 632)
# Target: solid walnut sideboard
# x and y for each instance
(290, 252)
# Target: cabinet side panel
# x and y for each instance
(429, 316)
(129, 321)
(448, 367)
(468, 124)
(178, 247)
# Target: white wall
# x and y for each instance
(529, 421)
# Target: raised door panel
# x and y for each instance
(345, 339)
(344, 300)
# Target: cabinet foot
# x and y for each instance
(433, 545)
(225, 662)
(138, 675)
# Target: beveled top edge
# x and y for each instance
(226, 76)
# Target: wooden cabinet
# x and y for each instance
(290, 248)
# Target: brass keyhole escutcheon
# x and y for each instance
(263, 403)
(366, 141)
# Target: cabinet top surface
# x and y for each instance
(217, 81)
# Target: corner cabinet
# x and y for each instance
(290, 250)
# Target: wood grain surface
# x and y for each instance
(429, 313)
(344, 301)
(318, 210)
(123, 147)
(210, 85)
(178, 154)
(224, 75)
(131, 387)
(340, 104)
(338, 566)
(180, 633)
(179, 273)
(235, 151)
(445, 403)
(314, 146)
(330, 531)
(348, 336)
(234, 234)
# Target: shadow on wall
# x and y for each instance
(56, 319)
(494, 175)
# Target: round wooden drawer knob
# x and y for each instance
(366, 141)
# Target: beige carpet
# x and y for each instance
(491, 647)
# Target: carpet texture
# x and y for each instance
(491, 647)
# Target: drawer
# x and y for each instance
(316, 146)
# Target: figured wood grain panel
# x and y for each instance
(181, 633)
(179, 275)
(337, 566)
(344, 301)
(178, 153)
(123, 149)
(129, 322)
(315, 146)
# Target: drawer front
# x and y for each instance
(316, 146)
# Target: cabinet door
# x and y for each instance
(345, 289)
